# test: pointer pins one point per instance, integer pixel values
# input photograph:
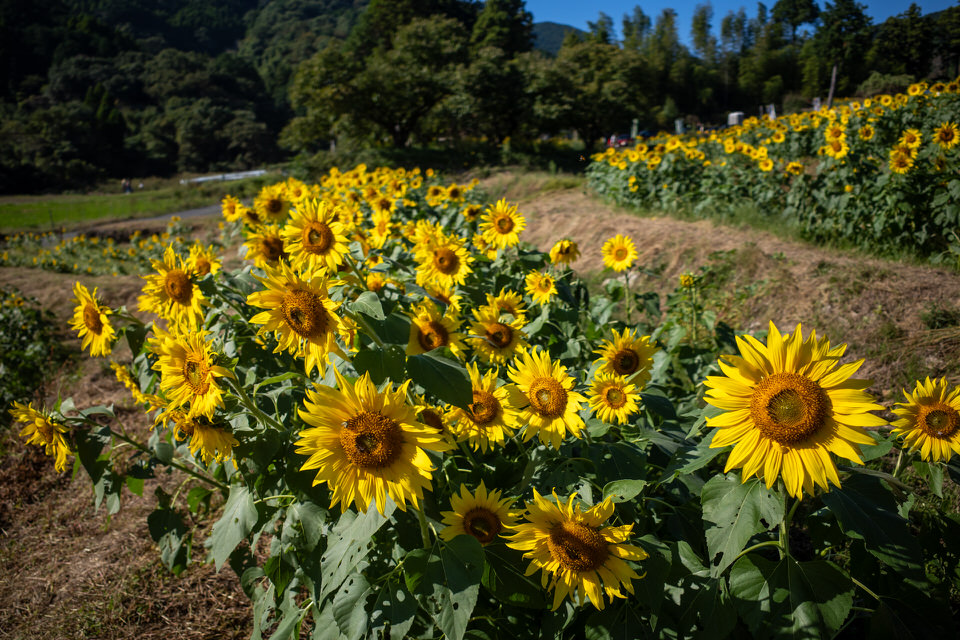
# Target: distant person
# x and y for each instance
(126, 186)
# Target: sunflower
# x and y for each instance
(787, 407)
(445, 261)
(834, 132)
(794, 168)
(189, 375)
(564, 252)
(930, 420)
(367, 444)
(382, 229)
(301, 314)
(495, 339)
(619, 253)
(430, 329)
(866, 132)
(911, 138)
(171, 294)
(766, 164)
(947, 135)
(540, 287)
(92, 322)
(490, 418)
(627, 355)
(577, 555)
(313, 239)
(482, 515)
(612, 398)
(509, 302)
(42, 430)
(265, 247)
(231, 208)
(837, 149)
(544, 390)
(206, 440)
(202, 260)
(900, 163)
(272, 204)
(501, 224)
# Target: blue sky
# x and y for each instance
(576, 13)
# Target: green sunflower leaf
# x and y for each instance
(444, 378)
(446, 582)
(381, 363)
(736, 512)
(239, 517)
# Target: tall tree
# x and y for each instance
(636, 28)
(504, 24)
(795, 13)
(843, 40)
(701, 31)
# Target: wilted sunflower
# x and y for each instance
(628, 355)
(205, 439)
(930, 420)
(612, 398)
(272, 204)
(501, 224)
(42, 430)
(564, 252)
(577, 555)
(489, 419)
(787, 406)
(171, 294)
(92, 322)
(619, 253)
(494, 338)
(430, 329)
(313, 238)
(482, 515)
(544, 392)
(947, 135)
(367, 444)
(189, 374)
(301, 314)
(540, 287)
(444, 261)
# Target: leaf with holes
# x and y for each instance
(446, 583)
(238, 519)
(394, 609)
(349, 606)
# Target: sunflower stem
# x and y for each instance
(241, 394)
(173, 463)
(424, 530)
(896, 468)
(784, 538)
(865, 588)
(760, 545)
(466, 451)
(360, 320)
(626, 294)
(693, 309)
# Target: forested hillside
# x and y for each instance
(97, 89)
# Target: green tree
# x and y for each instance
(505, 25)
(636, 29)
(903, 44)
(843, 39)
(794, 13)
(701, 31)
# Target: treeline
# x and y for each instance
(93, 89)
(431, 75)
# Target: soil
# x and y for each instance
(70, 571)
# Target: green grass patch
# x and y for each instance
(44, 213)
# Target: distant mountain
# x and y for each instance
(548, 36)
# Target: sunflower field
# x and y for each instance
(880, 174)
(412, 425)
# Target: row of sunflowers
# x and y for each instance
(415, 423)
(879, 173)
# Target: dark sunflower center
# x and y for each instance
(274, 206)
(505, 224)
(317, 237)
(272, 248)
(252, 216)
(577, 547)
(625, 362)
(499, 335)
(614, 397)
(91, 319)
(304, 313)
(178, 286)
(620, 253)
(201, 266)
(45, 429)
(432, 335)
(196, 373)
(484, 408)
(453, 193)
(544, 284)
(432, 419)
(946, 135)
(446, 261)
(547, 397)
(371, 440)
(938, 420)
(789, 408)
(482, 524)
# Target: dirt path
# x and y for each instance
(69, 572)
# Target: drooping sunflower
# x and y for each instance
(501, 224)
(628, 355)
(206, 440)
(483, 515)
(42, 430)
(171, 294)
(540, 287)
(445, 262)
(490, 418)
(787, 406)
(930, 420)
(272, 203)
(367, 444)
(544, 393)
(188, 375)
(947, 135)
(430, 329)
(619, 253)
(494, 338)
(92, 322)
(564, 252)
(576, 554)
(612, 398)
(313, 238)
(301, 314)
